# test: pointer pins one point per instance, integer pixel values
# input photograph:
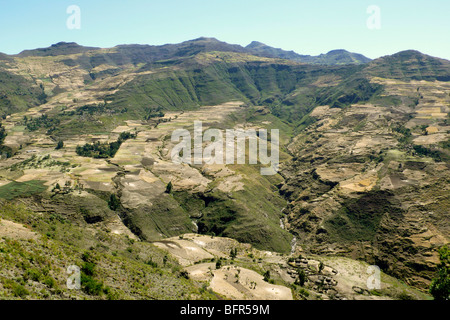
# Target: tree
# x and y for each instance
(219, 263)
(169, 187)
(59, 145)
(233, 253)
(321, 266)
(301, 277)
(267, 276)
(440, 286)
(113, 202)
(2, 134)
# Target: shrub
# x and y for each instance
(267, 276)
(219, 263)
(440, 286)
(34, 274)
(91, 286)
(304, 292)
(50, 282)
(151, 263)
(321, 266)
(20, 291)
(88, 268)
(233, 253)
(114, 202)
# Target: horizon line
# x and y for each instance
(204, 37)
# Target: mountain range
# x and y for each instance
(153, 53)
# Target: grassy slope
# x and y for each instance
(218, 77)
(251, 215)
(18, 94)
(36, 268)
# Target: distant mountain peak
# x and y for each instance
(410, 54)
(333, 57)
(209, 39)
(255, 44)
(338, 51)
(60, 48)
(65, 44)
(410, 65)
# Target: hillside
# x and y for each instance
(378, 169)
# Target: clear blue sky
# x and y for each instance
(307, 27)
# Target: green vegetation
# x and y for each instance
(350, 91)
(440, 286)
(59, 145)
(99, 150)
(40, 162)
(3, 134)
(251, 215)
(169, 187)
(302, 277)
(4, 151)
(445, 144)
(219, 263)
(114, 202)
(233, 253)
(44, 121)
(18, 93)
(37, 268)
(266, 276)
(16, 189)
(164, 216)
(153, 113)
(89, 284)
(359, 219)
(435, 154)
(405, 134)
(410, 65)
(321, 266)
(284, 87)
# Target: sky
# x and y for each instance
(306, 27)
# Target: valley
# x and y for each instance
(363, 179)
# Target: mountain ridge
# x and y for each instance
(205, 44)
(201, 44)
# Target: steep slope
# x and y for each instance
(18, 94)
(370, 180)
(37, 252)
(410, 65)
(217, 77)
